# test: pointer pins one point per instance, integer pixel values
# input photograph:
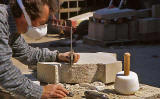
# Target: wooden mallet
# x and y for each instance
(126, 81)
(127, 64)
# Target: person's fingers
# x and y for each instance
(77, 56)
(62, 89)
(56, 95)
(61, 93)
(67, 57)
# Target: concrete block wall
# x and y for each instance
(122, 31)
(149, 25)
(156, 11)
(158, 25)
(102, 32)
(149, 29)
(105, 32)
(91, 30)
(112, 32)
(146, 21)
(133, 30)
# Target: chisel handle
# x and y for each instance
(127, 63)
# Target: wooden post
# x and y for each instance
(126, 64)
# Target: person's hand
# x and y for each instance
(54, 91)
(65, 57)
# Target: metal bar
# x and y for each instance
(72, 58)
(110, 4)
(59, 14)
(68, 10)
(77, 6)
(120, 5)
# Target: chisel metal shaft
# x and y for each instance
(71, 48)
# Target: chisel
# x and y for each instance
(71, 49)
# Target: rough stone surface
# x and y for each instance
(113, 13)
(145, 92)
(156, 11)
(122, 31)
(144, 13)
(91, 67)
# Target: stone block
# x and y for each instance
(122, 31)
(148, 25)
(150, 37)
(158, 25)
(47, 72)
(81, 18)
(91, 29)
(149, 30)
(114, 13)
(91, 67)
(144, 13)
(101, 32)
(105, 32)
(107, 72)
(156, 11)
(133, 29)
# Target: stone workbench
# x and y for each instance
(145, 92)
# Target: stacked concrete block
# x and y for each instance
(158, 25)
(147, 25)
(91, 67)
(102, 32)
(156, 11)
(122, 31)
(107, 72)
(105, 32)
(48, 72)
(149, 29)
(133, 30)
(144, 13)
(91, 30)
(114, 13)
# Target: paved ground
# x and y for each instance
(145, 59)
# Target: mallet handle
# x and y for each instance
(127, 63)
